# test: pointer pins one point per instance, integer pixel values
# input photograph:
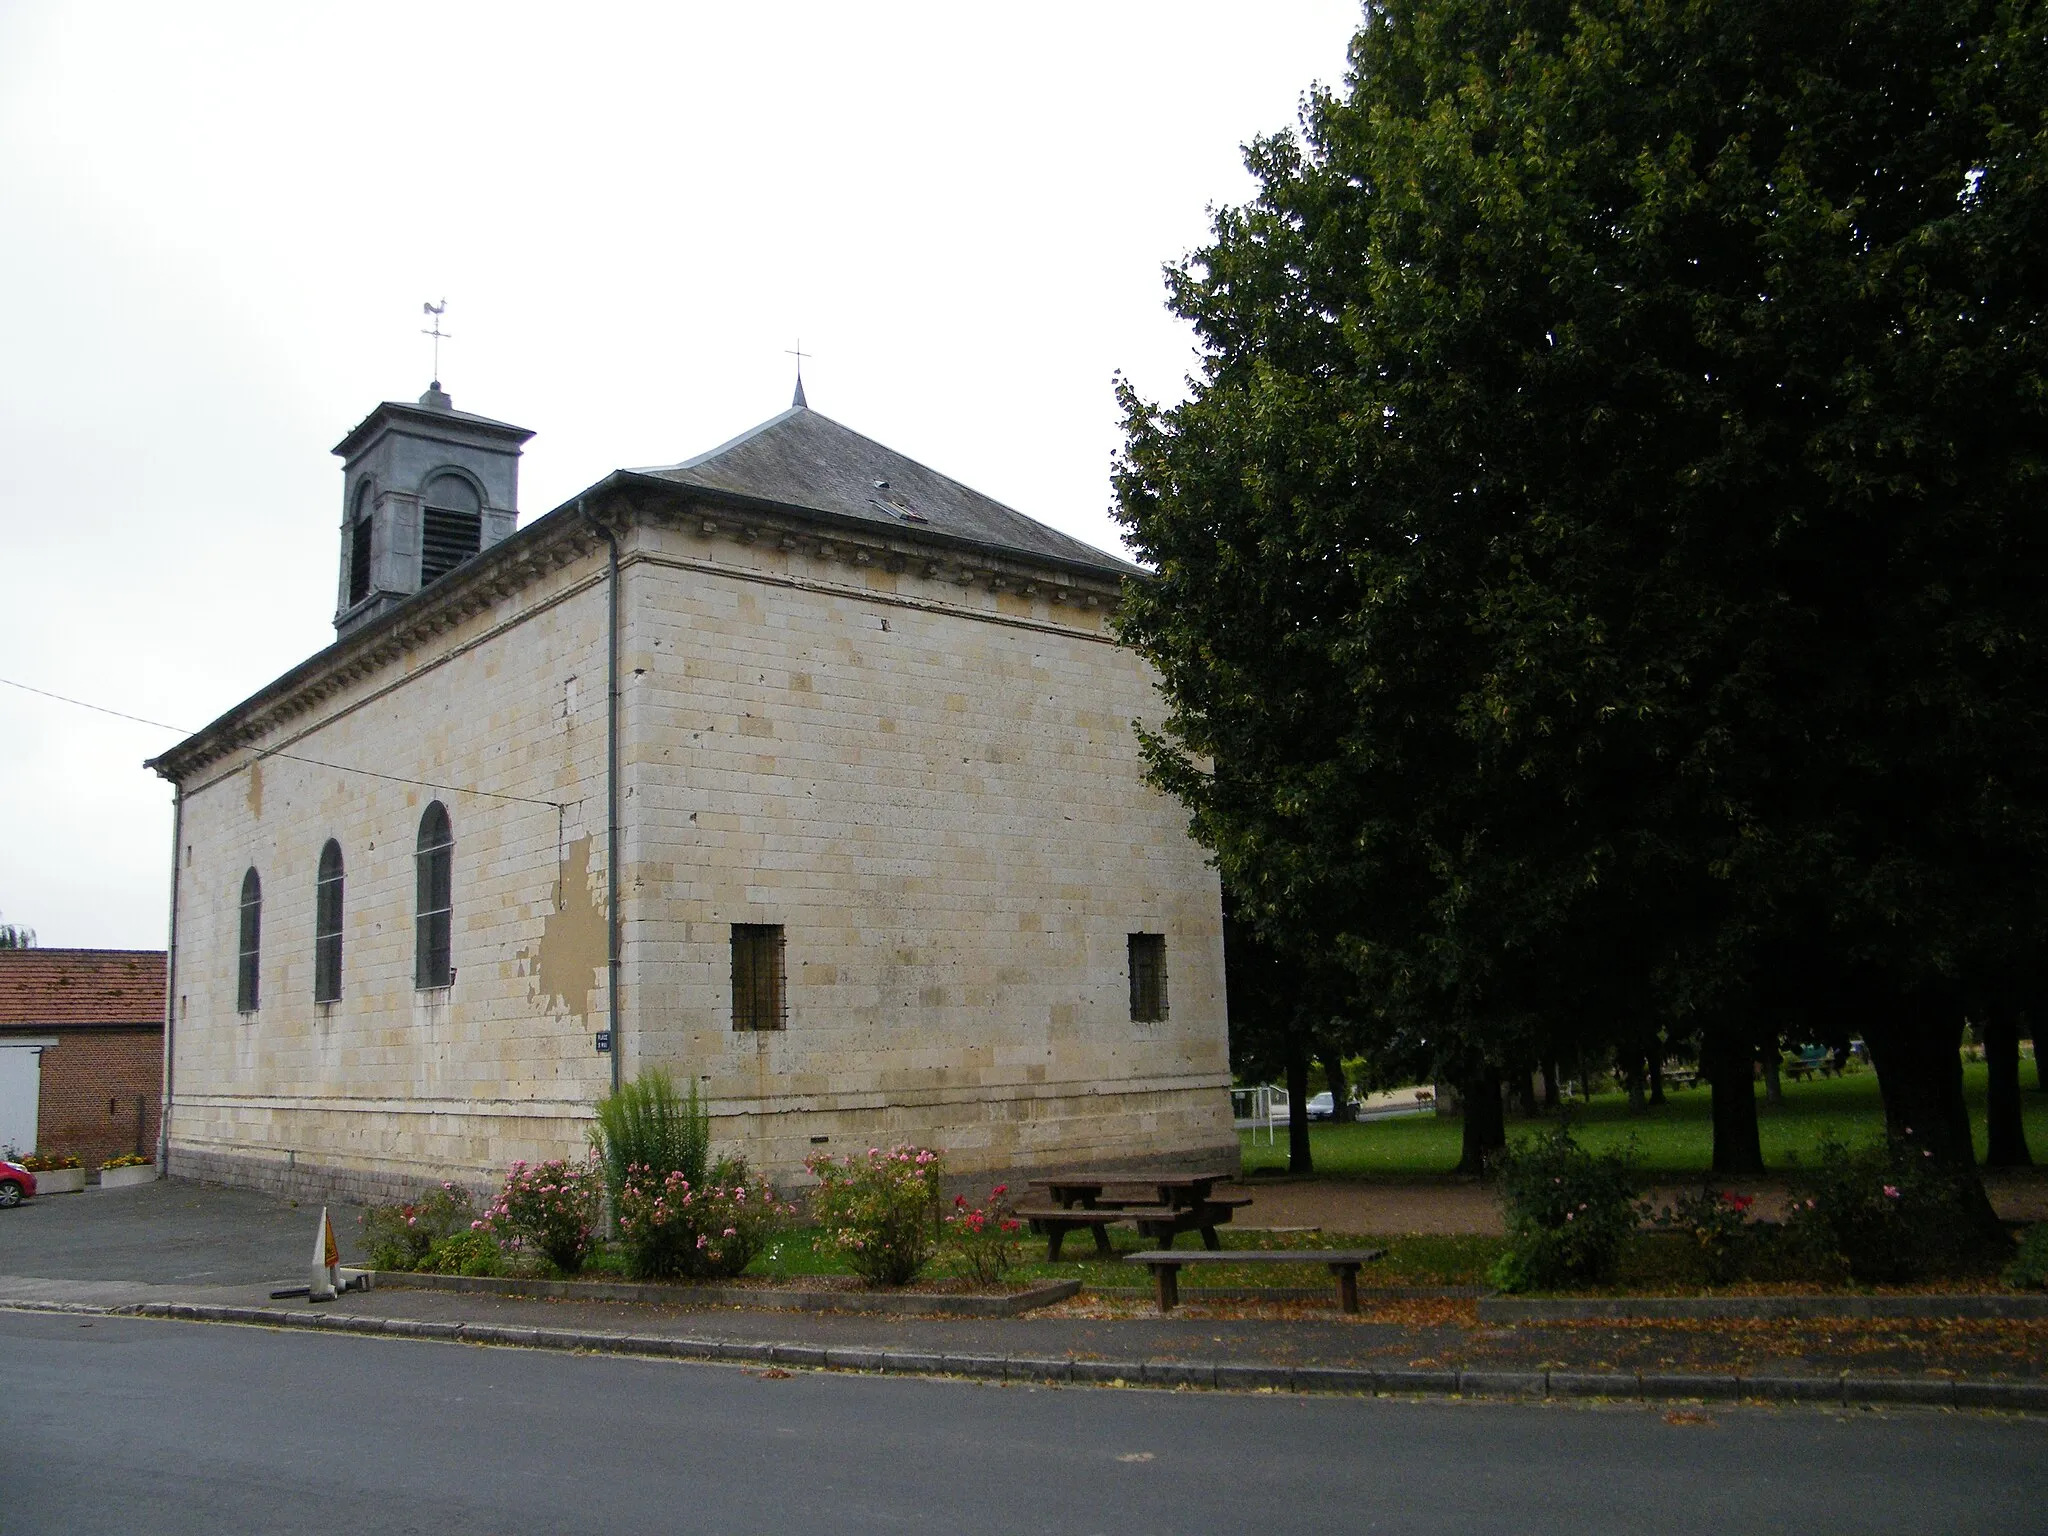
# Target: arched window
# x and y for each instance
(359, 546)
(248, 963)
(434, 863)
(327, 926)
(453, 528)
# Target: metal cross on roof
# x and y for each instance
(799, 354)
(439, 335)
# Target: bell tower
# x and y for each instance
(424, 487)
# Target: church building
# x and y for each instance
(796, 768)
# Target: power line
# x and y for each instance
(293, 757)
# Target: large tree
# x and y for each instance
(1600, 547)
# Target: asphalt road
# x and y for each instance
(118, 1425)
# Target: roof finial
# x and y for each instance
(798, 352)
(434, 396)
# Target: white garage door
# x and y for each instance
(21, 1082)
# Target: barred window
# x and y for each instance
(758, 1000)
(434, 871)
(248, 964)
(327, 926)
(1148, 978)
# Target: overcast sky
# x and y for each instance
(218, 225)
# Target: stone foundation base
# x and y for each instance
(300, 1179)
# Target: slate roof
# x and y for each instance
(805, 460)
(72, 987)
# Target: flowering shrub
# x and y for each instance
(401, 1236)
(552, 1207)
(877, 1209)
(49, 1162)
(1717, 1223)
(714, 1228)
(983, 1238)
(1884, 1211)
(127, 1160)
(1568, 1212)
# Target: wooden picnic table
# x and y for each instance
(1176, 1203)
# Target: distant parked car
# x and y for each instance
(16, 1183)
(1322, 1107)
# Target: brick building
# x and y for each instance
(841, 748)
(81, 1050)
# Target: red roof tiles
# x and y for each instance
(81, 986)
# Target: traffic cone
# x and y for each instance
(325, 1279)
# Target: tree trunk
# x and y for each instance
(1332, 1063)
(1656, 1074)
(1727, 1058)
(1299, 1159)
(1773, 1060)
(1916, 1045)
(1486, 1130)
(1633, 1072)
(1523, 1085)
(2008, 1137)
(1550, 1084)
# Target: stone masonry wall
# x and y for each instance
(932, 785)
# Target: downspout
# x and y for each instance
(611, 792)
(163, 1117)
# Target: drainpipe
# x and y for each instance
(163, 1118)
(611, 791)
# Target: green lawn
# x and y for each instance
(1409, 1261)
(1676, 1139)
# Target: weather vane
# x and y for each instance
(439, 335)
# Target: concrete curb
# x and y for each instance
(1650, 1309)
(1846, 1389)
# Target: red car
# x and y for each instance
(16, 1183)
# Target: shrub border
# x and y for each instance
(757, 1298)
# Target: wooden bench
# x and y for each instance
(1054, 1222)
(1344, 1263)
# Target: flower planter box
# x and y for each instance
(61, 1181)
(121, 1178)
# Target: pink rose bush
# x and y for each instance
(879, 1210)
(673, 1228)
(983, 1239)
(551, 1207)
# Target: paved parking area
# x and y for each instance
(166, 1233)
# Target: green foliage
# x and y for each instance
(879, 1209)
(1600, 564)
(14, 936)
(401, 1236)
(649, 1124)
(713, 1229)
(1884, 1211)
(464, 1253)
(1568, 1212)
(2029, 1268)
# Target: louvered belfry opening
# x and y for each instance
(453, 528)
